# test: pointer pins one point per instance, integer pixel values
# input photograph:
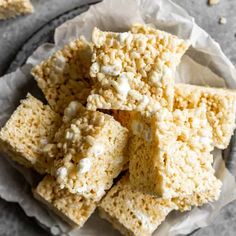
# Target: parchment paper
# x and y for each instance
(204, 64)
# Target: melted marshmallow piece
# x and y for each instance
(101, 192)
(71, 111)
(95, 68)
(196, 123)
(82, 190)
(206, 133)
(145, 219)
(205, 140)
(144, 102)
(113, 69)
(155, 78)
(98, 149)
(69, 135)
(123, 86)
(62, 172)
(164, 115)
(141, 130)
(125, 37)
(44, 141)
(84, 165)
(168, 72)
(59, 63)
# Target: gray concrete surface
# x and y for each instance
(13, 33)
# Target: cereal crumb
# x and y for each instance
(213, 2)
(222, 20)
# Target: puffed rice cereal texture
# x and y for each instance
(170, 153)
(134, 71)
(64, 77)
(133, 212)
(30, 128)
(91, 151)
(220, 105)
(72, 208)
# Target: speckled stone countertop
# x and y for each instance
(13, 34)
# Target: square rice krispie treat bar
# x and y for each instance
(64, 77)
(91, 151)
(13, 8)
(26, 133)
(220, 105)
(73, 208)
(136, 213)
(170, 153)
(134, 71)
(133, 212)
(220, 109)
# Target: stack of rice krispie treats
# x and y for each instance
(118, 134)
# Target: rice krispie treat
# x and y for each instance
(13, 8)
(136, 213)
(91, 150)
(73, 208)
(134, 71)
(220, 105)
(170, 153)
(26, 133)
(133, 212)
(64, 77)
(221, 108)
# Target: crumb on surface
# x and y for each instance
(213, 2)
(222, 20)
